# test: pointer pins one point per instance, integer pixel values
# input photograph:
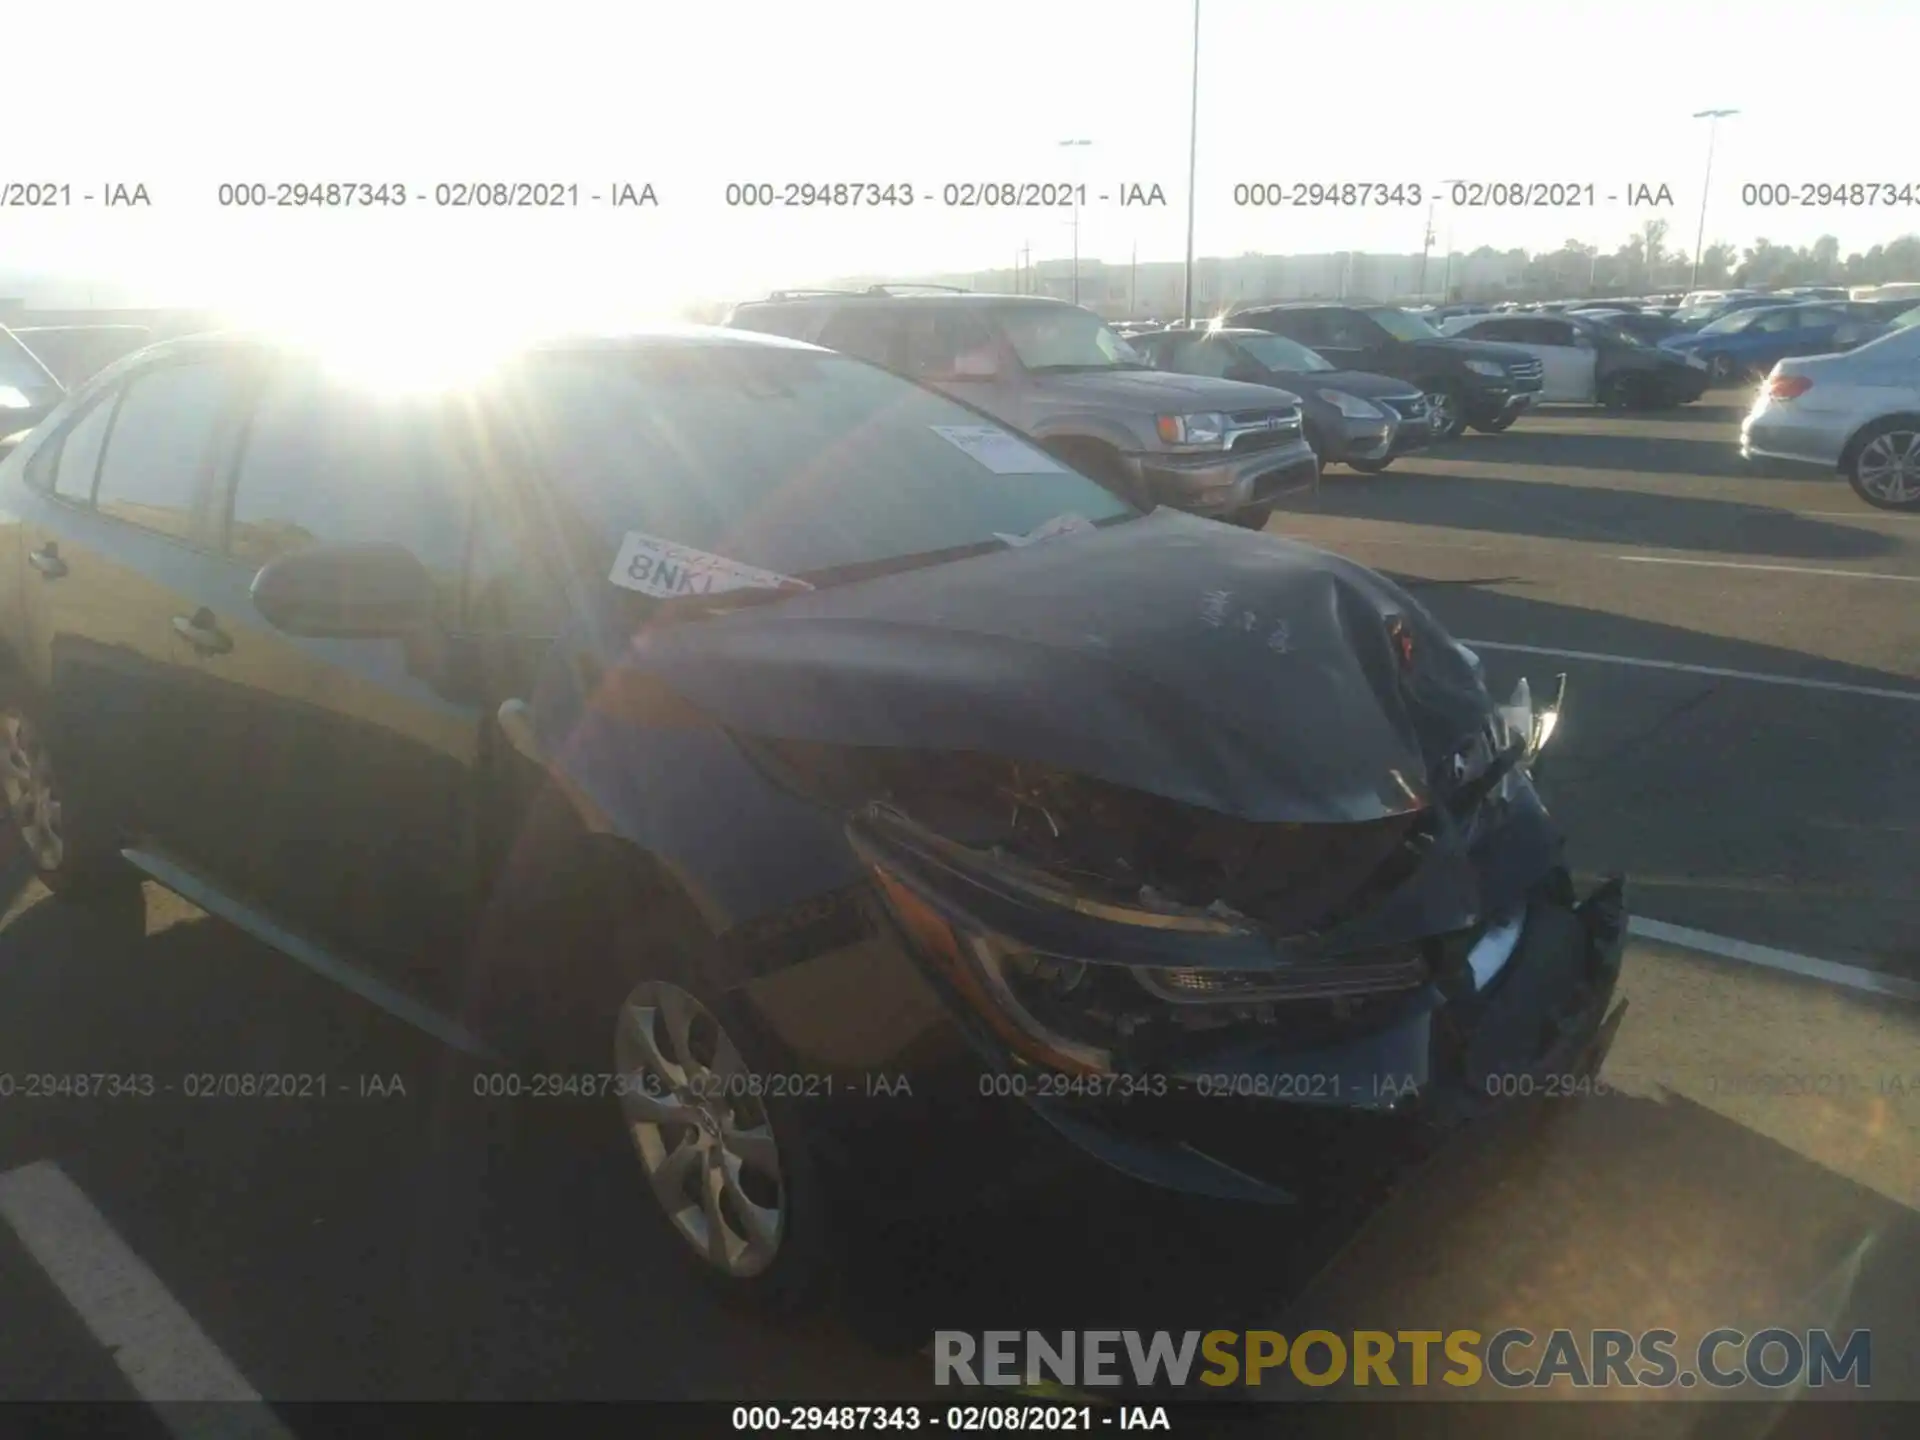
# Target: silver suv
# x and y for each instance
(1063, 376)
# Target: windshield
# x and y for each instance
(1276, 352)
(1065, 337)
(793, 462)
(1402, 324)
(22, 374)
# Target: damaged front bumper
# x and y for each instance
(1481, 978)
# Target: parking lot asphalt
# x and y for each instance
(1736, 741)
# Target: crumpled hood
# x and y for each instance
(1222, 668)
(1163, 391)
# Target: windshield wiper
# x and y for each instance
(831, 576)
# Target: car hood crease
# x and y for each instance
(1237, 672)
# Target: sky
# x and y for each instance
(691, 98)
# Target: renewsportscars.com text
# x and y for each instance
(1513, 1359)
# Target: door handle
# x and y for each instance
(47, 561)
(202, 632)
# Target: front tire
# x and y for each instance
(1448, 409)
(1883, 465)
(1725, 370)
(1371, 467)
(70, 861)
(734, 1177)
(1494, 424)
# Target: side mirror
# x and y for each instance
(345, 592)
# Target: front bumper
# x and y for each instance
(1366, 439)
(1255, 1126)
(1222, 484)
(1499, 400)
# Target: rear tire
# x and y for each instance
(1255, 517)
(68, 857)
(1622, 392)
(1494, 424)
(1882, 465)
(1371, 467)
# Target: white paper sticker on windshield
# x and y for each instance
(999, 450)
(667, 570)
(1054, 529)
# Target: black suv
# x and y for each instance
(1466, 382)
(820, 775)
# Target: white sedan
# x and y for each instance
(1857, 412)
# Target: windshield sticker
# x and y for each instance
(999, 450)
(666, 570)
(1054, 529)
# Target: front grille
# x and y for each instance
(1407, 407)
(1526, 370)
(1262, 429)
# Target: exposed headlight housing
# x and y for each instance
(1204, 431)
(1352, 406)
(1493, 369)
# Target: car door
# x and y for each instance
(1569, 361)
(117, 551)
(956, 352)
(353, 761)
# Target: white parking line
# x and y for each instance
(1775, 569)
(1911, 697)
(1853, 977)
(167, 1358)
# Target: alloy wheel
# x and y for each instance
(703, 1134)
(1440, 413)
(26, 777)
(1889, 467)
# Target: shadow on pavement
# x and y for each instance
(1593, 514)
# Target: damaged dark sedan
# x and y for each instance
(794, 768)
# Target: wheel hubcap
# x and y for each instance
(1440, 412)
(26, 777)
(702, 1132)
(1889, 467)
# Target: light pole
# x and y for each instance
(1076, 145)
(1713, 119)
(1426, 245)
(1193, 157)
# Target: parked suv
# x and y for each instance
(1466, 382)
(1061, 375)
(828, 792)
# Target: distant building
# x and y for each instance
(1155, 288)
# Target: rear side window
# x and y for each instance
(864, 334)
(78, 458)
(935, 341)
(322, 464)
(161, 442)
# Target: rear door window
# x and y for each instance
(866, 334)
